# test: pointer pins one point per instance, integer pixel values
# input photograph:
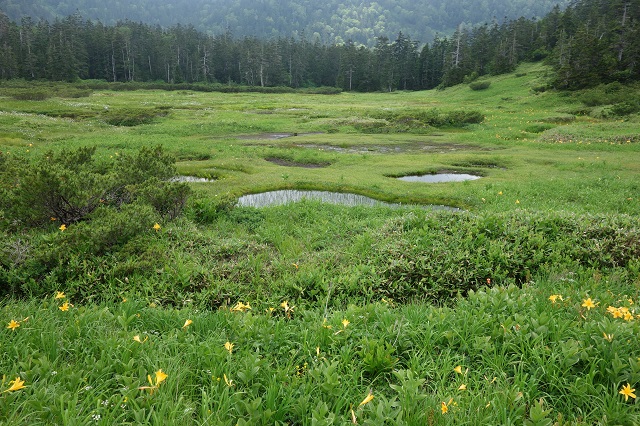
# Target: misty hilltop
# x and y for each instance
(329, 21)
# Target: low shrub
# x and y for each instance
(29, 94)
(480, 85)
(564, 118)
(68, 186)
(133, 116)
(625, 108)
(440, 256)
(538, 127)
(425, 118)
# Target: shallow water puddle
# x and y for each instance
(286, 196)
(190, 179)
(440, 177)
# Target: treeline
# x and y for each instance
(590, 42)
(330, 21)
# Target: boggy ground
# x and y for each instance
(522, 309)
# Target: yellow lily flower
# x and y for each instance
(367, 400)
(627, 392)
(18, 384)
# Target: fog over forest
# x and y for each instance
(328, 21)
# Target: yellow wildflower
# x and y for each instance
(288, 310)
(161, 376)
(65, 306)
(458, 369)
(444, 407)
(628, 316)
(607, 337)
(228, 381)
(462, 387)
(13, 324)
(555, 297)
(345, 323)
(614, 311)
(137, 339)
(60, 295)
(627, 392)
(588, 303)
(229, 346)
(63, 227)
(157, 227)
(367, 400)
(18, 384)
(240, 307)
(187, 323)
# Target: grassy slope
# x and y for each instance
(82, 366)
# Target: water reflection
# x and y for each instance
(274, 198)
(190, 179)
(440, 177)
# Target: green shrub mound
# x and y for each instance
(68, 186)
(133, 116)
(417, 256)
(440, 256)
(71, 207)
(480, 85)
(419, 119)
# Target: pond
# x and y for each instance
(190, 179)
(440, 177)
(275, 198)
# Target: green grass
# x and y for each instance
(555, 213)
(516, 349)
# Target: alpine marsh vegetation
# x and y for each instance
(163, 305)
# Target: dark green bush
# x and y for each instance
(30, 94)
(480, 85)
(470, 78)
(625, 108)
(133, 116)
(538, 127)
(68, 186)
(440, 256)
(424, 118)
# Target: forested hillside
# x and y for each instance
(328, 21)
(591, 42)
